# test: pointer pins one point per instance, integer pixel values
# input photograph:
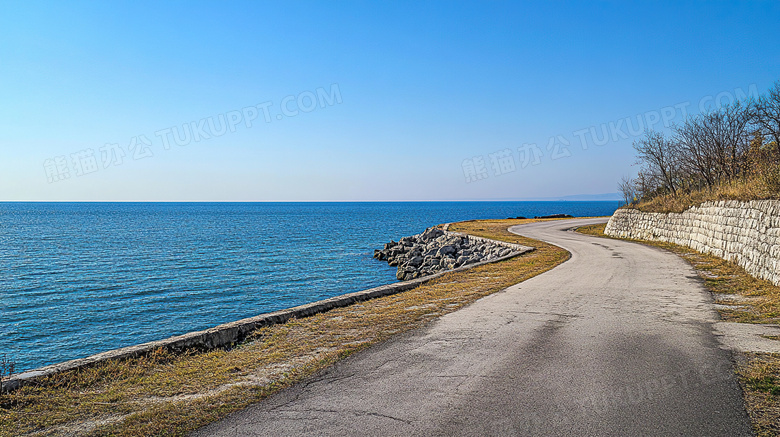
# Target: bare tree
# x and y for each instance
(697, 157)
(727, 132)
(627, 186)
(765, 114)
(658, 156)
(714, 145)
(740, 141)
(646, 184)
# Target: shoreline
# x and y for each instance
(175, 393)
(230, 333)
(170, 285)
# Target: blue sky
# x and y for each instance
(382, 100)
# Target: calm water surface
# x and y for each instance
(82, 278)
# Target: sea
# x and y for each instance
(81, 278)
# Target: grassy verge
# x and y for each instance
(750, 300)
(167, 394)
(597, 230)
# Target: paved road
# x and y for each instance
(616, 341)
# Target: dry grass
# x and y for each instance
(597, 229)
(757, 301)
(743, 190)
(166, 394)
(759, 375)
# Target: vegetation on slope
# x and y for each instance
(731, 153)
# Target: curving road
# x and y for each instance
(617, 341)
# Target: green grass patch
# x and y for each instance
(768, 384)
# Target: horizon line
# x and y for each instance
(310, 201)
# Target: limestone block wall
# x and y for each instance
(747, 233)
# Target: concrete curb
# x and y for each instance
(233, 332)
(473, 239)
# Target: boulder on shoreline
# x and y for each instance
(435, 250)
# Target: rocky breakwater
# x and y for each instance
(436, 250)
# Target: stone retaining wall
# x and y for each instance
(747, 233)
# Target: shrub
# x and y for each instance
(7, 368)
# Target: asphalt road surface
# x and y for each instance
(617, 341)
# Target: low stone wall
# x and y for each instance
(233, 332)
(747, 233)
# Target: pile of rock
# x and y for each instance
(435, 250)
(553, 216)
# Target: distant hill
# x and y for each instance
(584, 197)
(605, 197)
(593, 197)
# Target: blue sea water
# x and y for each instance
(82, 278)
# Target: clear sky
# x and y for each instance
(264, 101)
